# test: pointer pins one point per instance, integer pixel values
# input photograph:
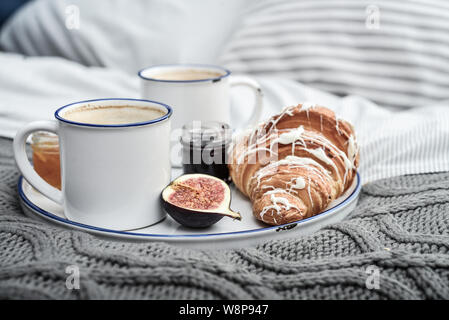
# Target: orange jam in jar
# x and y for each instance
(46, 157)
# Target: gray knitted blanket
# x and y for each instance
(393, 246)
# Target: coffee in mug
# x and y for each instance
(112, 115)
(188, 74)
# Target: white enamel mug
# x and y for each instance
(112, 175)
(204, 100)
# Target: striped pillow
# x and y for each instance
(393, 52)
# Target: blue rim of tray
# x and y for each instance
(133, 233)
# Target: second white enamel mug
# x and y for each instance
(206, 99)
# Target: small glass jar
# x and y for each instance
(46, 160)
(205, 148)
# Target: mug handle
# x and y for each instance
(258, 105)
(24, 165)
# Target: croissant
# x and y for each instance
(293, 165)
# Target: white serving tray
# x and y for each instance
(226, 233)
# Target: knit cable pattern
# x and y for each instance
(400, 228)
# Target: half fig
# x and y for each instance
(198, 200)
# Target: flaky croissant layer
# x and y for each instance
(295, 164)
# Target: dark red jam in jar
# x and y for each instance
(204, 148)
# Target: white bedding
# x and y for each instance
(122, 34)
(32, 87)
(394, 52)
(392, 143)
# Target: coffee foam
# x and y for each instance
(112, 115)
(190, 74)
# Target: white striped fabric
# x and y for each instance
(393, 52)
(391, 143)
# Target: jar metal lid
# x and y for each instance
(206, 134)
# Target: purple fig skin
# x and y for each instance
(191, 218)
(197, 218)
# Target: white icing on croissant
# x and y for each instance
(294, 164)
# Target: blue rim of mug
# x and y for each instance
(181, 65)
(135, 124)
